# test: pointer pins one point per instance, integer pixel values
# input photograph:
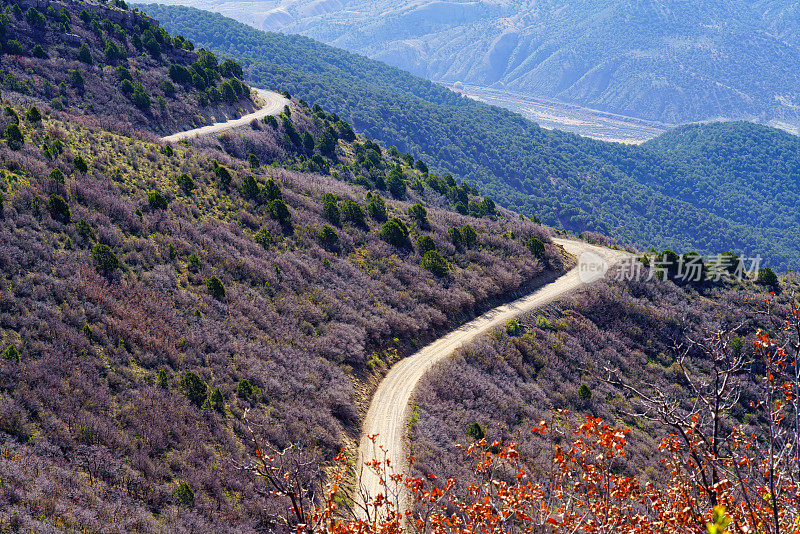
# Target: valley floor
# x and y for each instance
(553, 114)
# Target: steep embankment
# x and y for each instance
(270, 268)
(115, 66)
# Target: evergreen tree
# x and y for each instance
(419, 214)
(85, 55)
(425, 243)
(11, 354)
(157, 201)
(215, 287)
(328, 238)
(475, 432)
(186, 182)
(536, 247)
(279, 211)
(353, 212)
(193, 387)
(272, 191)
(767, 277)
(396, 185)
(395, 232)
(327, 143)
(104, 258)
(455, 236)
(250, 188)
(223, 175)
(14, 137)
(435, 263)
(217, 400)
(59, 209)
(329, 209)
(376, 207)
(80, 164)
(33, 115)
(468, 235)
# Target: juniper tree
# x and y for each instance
(419, 214)
(14, 137)
(536, 247)
(250, 188)
(58, 208)
(157, 201)
(329, 208)
(185, 182)
(104, 259)
(80, 164)
(215, 287)
(425, 243)
(376, 207)
(272, 191)
(193, 387)
(395, 232)
(328, 238)
(435, 263)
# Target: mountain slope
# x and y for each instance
(387, 420)
(565, 180)
(505, 383)
(113, 64)
(663, 60)
(150, 294)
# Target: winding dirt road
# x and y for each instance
(274, 103)
(389, 411)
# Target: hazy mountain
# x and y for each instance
(664, 60)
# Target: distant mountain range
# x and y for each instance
(664, 60)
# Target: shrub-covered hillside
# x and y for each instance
(650, 334)
(105, 61)
(150, 294)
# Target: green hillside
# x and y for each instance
(565, 180)
(747, 171)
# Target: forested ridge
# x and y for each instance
(567, 181)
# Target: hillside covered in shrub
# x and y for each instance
(567, 181)
(501, 386)
(106, 62)
(150, 294)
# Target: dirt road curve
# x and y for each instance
(389, 412)
(273, 106)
